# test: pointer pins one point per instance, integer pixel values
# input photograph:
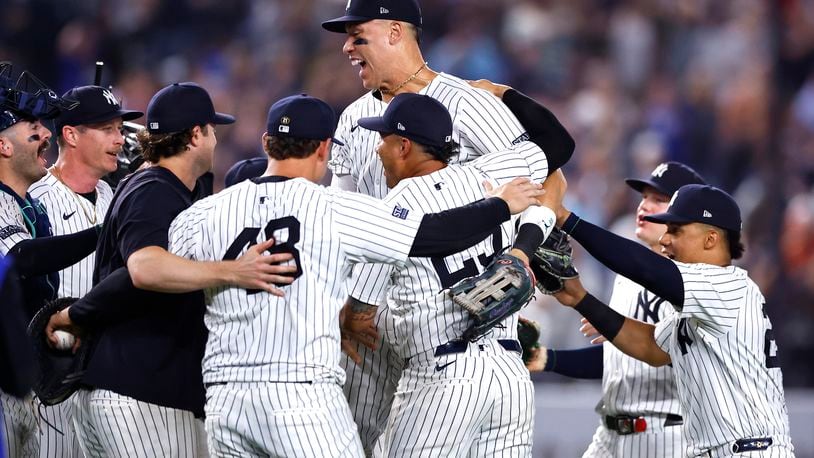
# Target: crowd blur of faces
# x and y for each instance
(725, 86)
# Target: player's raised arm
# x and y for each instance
(542, 127)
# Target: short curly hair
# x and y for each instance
(281, 148)
(157, 146)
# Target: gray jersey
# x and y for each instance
(13, 228)
(257, 337)
(70, 213)
(724, 359)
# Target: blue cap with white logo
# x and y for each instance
(696, 203)
(418, 117)
(368, 10)
(302, 116)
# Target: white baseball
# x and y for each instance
(65, 340)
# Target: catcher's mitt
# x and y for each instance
(528, 333)
(59, 372)
(502, 289)
(552, 263)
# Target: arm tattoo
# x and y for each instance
(360, 310)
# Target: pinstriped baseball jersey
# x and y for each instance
(725, 360)
(630, 386)
(481, 124)
(423, 316)
(70, 213)
(260, 337)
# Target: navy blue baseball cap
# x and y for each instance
(302, 116)
(667, 177)
(418, 117)
(697, 203)
(181, 106)
(368, 10)
(96, 104)
(246, 169)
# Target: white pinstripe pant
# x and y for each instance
(479, 403)
(280, 420)
(657, 441)
(111, 425)
(21, 436)
(58, 438)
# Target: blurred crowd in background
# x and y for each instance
(725, 86)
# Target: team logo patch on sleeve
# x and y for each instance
(400, 212)
(523, 138)
(8, 231)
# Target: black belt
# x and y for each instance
(459, 346)
(628, 424)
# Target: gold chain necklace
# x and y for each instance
(92, 216)
(412, 77)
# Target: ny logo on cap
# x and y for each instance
(659, 171)
(109, 97)
(347, 7)
(673, 199)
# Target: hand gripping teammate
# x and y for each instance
(719, 341)
(639, 410)
(144, 379)
(274, 384)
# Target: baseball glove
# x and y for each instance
(501, 290)
(528, 333)
(59, 372)
(552, 263)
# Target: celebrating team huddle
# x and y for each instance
(281, 317)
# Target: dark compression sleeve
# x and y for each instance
(450, 231)
(543, 128)
(580, 363)
(528, 238)
(111, 300)
(51, 254)
(656, 273)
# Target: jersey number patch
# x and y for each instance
(772, 360)
(248, 238)
(469, 268)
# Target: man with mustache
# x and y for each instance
(25, 229)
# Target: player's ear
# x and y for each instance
(711, 239)
(69, 135)
(396, 32)
(5, 147)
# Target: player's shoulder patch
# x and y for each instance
(8, 231)
(400, 212)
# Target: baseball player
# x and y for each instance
(145, 374)
(383, 41)
(493, 395)
(720, 339)
(25, 229)
(633, 392)
(271, 365)
(75, 197)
